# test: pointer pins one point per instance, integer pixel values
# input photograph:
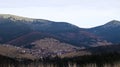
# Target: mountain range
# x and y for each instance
(54, 37)
(16, 30)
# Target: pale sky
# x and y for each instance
(83, 13)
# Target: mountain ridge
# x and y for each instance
(44, 38)
(11, 30)
(46, 26)
(112, 22)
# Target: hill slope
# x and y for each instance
(16, 30)
(109, 31)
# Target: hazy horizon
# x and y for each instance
(83, 13)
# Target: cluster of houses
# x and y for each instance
(42, 53)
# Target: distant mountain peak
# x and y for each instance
(113, 23)
(15, 17)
